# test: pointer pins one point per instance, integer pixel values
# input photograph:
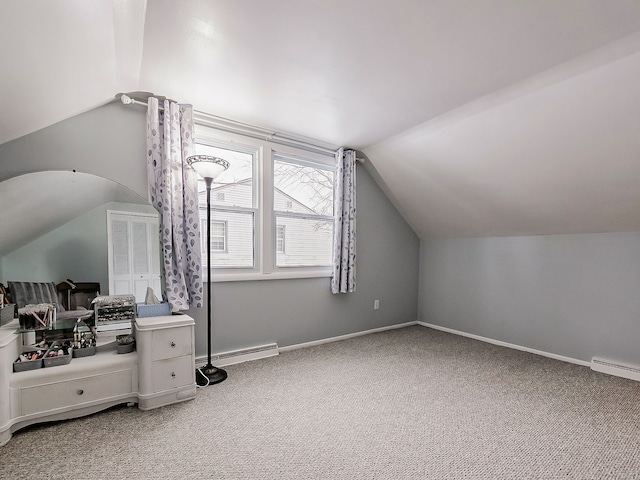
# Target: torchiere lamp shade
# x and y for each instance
(207, 166)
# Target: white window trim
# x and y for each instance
(264, 248)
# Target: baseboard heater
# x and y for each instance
(613, 368)
(239, 356)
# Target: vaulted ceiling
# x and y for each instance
(477, 117)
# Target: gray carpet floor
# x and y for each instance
(412, 403)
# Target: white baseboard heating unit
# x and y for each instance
(613, 368)
(239, 356)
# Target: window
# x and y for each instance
(218, 236)
(303, 204)
(233, 208)
(280, 232)
(273, 208)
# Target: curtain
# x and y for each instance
(344, 233)
(173, 192)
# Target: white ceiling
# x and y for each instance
(478, 117)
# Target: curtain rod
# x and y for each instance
(233, 126)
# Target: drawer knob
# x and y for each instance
(173, 374)
(173, 344)
(80, 392)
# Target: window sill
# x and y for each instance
(280, 275)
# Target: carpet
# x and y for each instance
(411, 403)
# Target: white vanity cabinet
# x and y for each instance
(161, 371)
(166, 347)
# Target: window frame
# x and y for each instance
(265, 243)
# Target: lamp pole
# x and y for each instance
(208, 168)
(208, 181)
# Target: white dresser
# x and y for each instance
(166, 347)
(160, 372)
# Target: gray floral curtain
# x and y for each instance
(344, 234)
(173, 192)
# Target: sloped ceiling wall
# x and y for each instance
(479, 118)
(559, 153)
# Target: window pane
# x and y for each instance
(308, 242)
(217, 229)
(302, 189)
(217, 239)
(280, 235)
(236, 228)
(218, 236)
(234, 186)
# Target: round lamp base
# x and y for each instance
(210, 375)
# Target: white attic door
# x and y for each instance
(134, 255)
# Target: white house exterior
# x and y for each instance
(302, 236)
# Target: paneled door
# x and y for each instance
(134, 254)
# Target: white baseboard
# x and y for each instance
(270, 350)
(256, 353)
(508, 345)
(345, 337)
(618, 369)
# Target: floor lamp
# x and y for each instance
(208, 168)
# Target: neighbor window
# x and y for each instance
(280, 232)
(271, 211)
(218, 236)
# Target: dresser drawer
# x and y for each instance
(171, 342)
(43, 398)
(173, 373)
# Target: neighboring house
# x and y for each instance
(301, 239)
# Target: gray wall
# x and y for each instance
(571, 295)
(110, 142)
(289, 312)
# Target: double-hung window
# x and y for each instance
(271, 211)
(303, 207)
(233, 208)
(280, 238)
(218, 236)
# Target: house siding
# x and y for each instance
(308, 241)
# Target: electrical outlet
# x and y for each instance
(376, 304)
